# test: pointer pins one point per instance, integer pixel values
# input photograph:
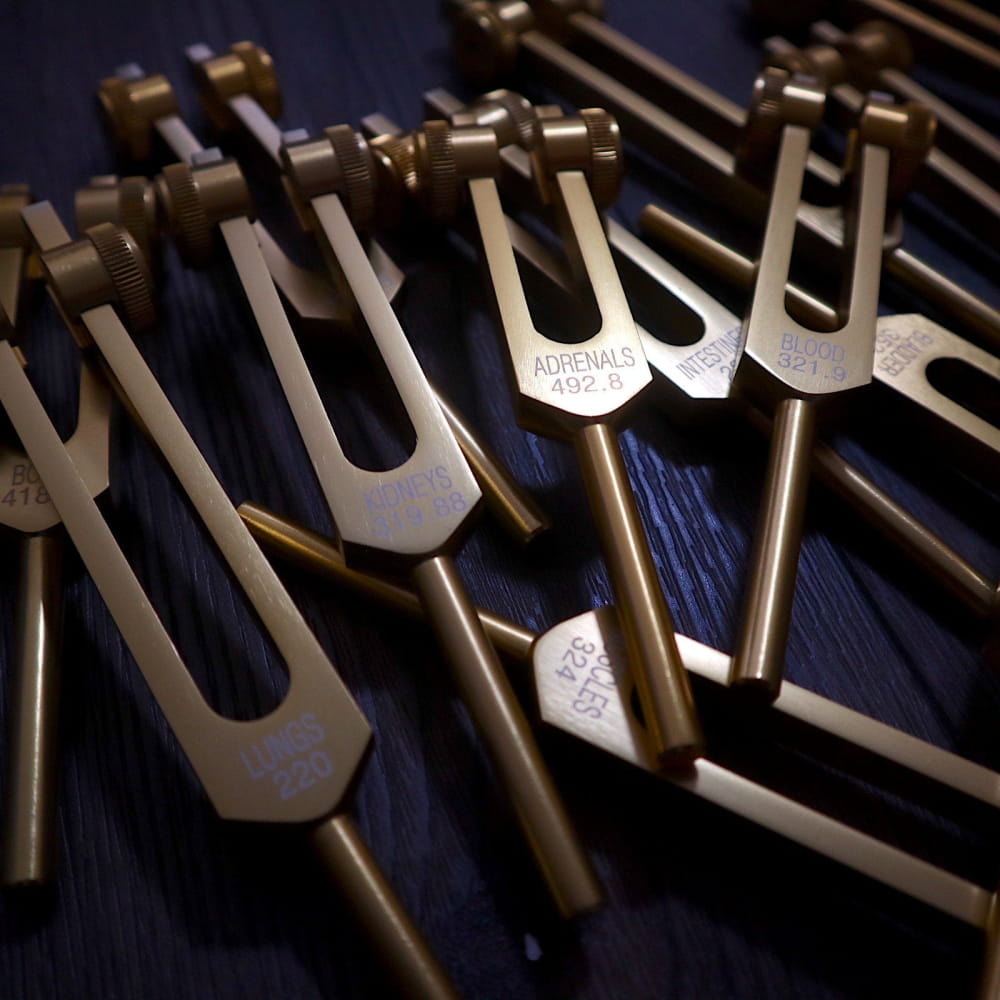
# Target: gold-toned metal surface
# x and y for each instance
(309, 550)
(317, 716)
(668, 124)
(408, 960)
(234, 788)
(417, 513)
(550, 396)
(596, 642)
(784, 360)
(32, 742)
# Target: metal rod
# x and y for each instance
(914, 539)
(317, 554)
(29, 808)
(760, 652)
(642, 608)
(400, 945)
(504, 729)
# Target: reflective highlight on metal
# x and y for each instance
(569, 155)
(784, 360)
(218, 748)
(613, 726)
(332, 176)
(668, 124)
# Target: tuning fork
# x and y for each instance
(229, 97)
(138, 108)
(318, 727)
(29, 807)
(577, 162)
(416, 514)
(905, 345)
(792, 365)
(842, 64)
(668, 125)
(581, 663)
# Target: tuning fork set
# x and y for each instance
(618, 678)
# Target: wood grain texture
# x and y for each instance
(159, 899)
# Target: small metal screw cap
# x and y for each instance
(589, 141)
(196, 198)
(779, 98)
(338, 162)
(105, 266)
(445, 156)
(874, 46)
(130, 202)
(129, 109)
(129, 274)
(486, 38)
(508, 113)
(906, 129)
(246, 69)
(823, 63)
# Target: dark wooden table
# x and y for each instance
(157, 898)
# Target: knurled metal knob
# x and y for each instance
(446, 156)
(195, 199)
(395, 163)
(129, 109)
(874, 46)
(509, 114)
(907, 130)
(486, 38)
(129, 202)
(589, 140)
(779, 98)
(105, 266)
(824, 63)
(246, 69)
(338, 162)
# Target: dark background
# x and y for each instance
(157, 898)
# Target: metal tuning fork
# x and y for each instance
(137, 108)
(28, 844)
(669, 124)
(583, 680)
(228, 95)
(697, 377)
(970, 199)
(100, 283)
(417, 513)
(578, 390)
(796, 367)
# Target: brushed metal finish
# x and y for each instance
(527, 347)
(683, 148)
(32, 744)
(673, 727)
(400, 946)
(346, 486)
(760, 652)
(319, 555)
(312, 551)
(504, 730)
(642, 609)
(421, 534)
(842, 359)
